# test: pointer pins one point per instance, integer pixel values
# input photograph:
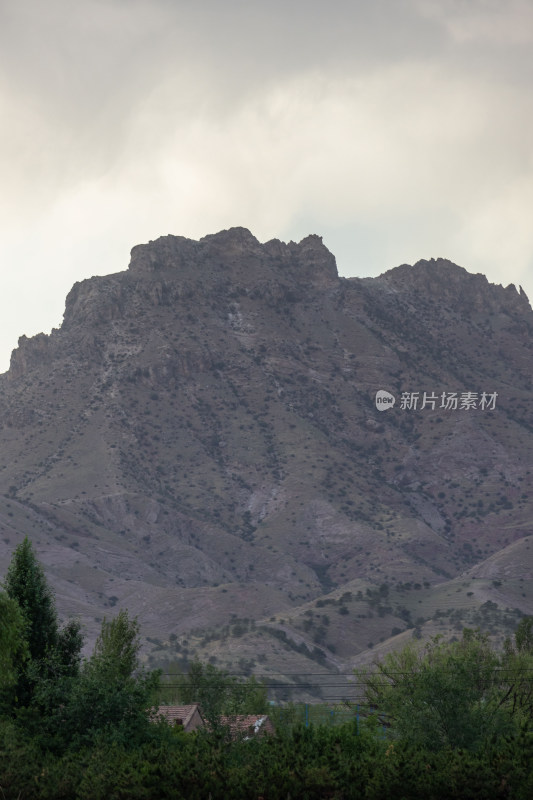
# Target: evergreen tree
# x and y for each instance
(26, 584)
(48, 653)
(13, 648)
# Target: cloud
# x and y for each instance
(483, 21)
(379, 124)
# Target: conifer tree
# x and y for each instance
(48, 653)
(26, 584)
(13, 646)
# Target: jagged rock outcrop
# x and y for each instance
(454, 286)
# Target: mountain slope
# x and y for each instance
(200, 442)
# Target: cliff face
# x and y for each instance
(201, 436)
(453, 285)
(238, 253)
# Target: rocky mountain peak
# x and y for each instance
(174, 269)
(453, 286)
(236, 251)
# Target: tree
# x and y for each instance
(26, 584)
(220, 693)
(524, 636)
(101, 706)
(446, 695)
(69, 645)
(108, 699)
(117, 647)
(113, 696)
(517, 672)
(48, 653)
(13, 647)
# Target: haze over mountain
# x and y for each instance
(200, 443)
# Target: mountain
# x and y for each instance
(200, 442)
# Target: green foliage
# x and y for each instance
(13, 647)
(220, 693)
(59, 704)
(460, 712)
(117, 647)
(108, 698)
(524, 636)
(46, 651)
(26, 584)
(517, 669)
(112, 697)
(449, 695)
(349, 762)
(97, 708)
(69, 645)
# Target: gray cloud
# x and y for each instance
(399, 129)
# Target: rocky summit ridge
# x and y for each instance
(199, 441)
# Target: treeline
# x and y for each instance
(453, 720)
(341, 763)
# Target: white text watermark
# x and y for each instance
(447, 401)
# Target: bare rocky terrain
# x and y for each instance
(199, 442)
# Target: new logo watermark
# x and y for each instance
(384, 400)
(448, 401)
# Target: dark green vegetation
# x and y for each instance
(451, 721)
(217, 692)
(455, 695)
(49, 693)
(342, 763)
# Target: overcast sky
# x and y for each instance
(396, 129)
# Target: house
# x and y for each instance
(248, 726)
(188, 717)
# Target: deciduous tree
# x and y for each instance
(117, 646)
(517, 672)
(446, 695)
(220, 693)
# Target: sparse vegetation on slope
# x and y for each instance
(200, 440)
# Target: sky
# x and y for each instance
(396, 129)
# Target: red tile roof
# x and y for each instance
(188, 716)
